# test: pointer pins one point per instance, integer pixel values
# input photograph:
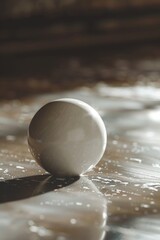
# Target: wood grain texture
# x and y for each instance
(17, 8)
(28, 26)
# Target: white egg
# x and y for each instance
(67, 137)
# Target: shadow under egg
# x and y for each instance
(26, 187)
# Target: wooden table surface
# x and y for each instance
(120, 198)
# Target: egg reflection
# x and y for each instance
(77, 211)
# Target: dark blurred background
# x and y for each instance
(50, 45)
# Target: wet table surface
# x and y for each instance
(119, 199)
